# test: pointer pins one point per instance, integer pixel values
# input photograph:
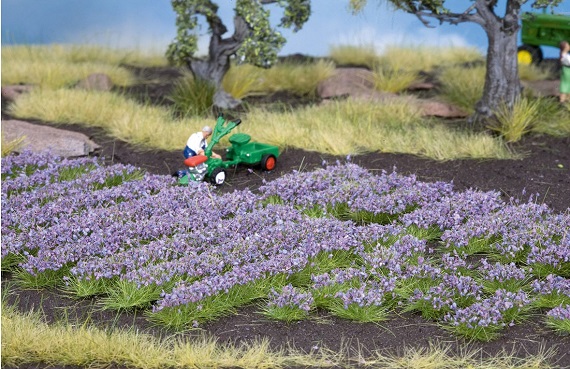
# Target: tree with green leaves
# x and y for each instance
(501, 25)
(253, 41)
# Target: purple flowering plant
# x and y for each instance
(453, 292)
(551, 291)
(339, 238)
(192, 314)
(483, 319)
(363, 304)
(506, 276)
(559, 319)
(289, 304)
(326, 286)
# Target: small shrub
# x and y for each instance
(46, 279)
(554, 118)
(393, 80)
(358, 313)
(354, 55)
(289, 304)
(463, 87)
(243, 81)
(192, 314)
(125, 295)
(300, 79)
(512, 122)
(83, 288)
(192, 97)
(10, 262)
(559, 319)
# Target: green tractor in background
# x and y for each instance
(541, 29)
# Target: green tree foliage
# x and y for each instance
(501, 22)
(254, 40)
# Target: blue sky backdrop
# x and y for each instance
(150, 25)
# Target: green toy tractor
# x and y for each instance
(241, 151)
(541, 29)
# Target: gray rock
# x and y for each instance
(97, 82)
(421, 86)
(11, 93)
(346, 82)
(543, 87)
(434, 108)
(357, 83)
(39, 138)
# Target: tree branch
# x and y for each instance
(451, 18)
(229, 46)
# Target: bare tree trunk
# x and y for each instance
(502, 84)
(214, 72)
(215, 67)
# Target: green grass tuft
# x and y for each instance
(357, 313)
(125, 295)
(287, 314)
(513, 122)
(41, 280)
(462, 87)
(394, 80)
(355, 55)
(84, 288)
(560, 326)
(193, 97)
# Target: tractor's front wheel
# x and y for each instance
(218, 177)
(268, 162)
(527, 55)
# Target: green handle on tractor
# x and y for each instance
(222, 128)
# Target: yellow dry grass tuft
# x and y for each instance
(352, 127)
(10, 146)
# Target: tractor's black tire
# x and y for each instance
(268, 162)
(217, 177)
(527, 54)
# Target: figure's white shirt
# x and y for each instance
(565, 60)
(197, 142)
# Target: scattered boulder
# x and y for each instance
(434, 108)
(97, 82)
(357, 83)
(543, 87)
(11, 93)
(346, 82)
(421, 86)
(37, 138)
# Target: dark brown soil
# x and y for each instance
(544, 170)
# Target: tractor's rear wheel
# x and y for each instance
(218, 177)
(528, 55)
(268, 162)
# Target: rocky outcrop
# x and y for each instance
(346, 82)
(358, 83)
(39, 138)
(435, 108)
(543, 87)
(11, 93)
